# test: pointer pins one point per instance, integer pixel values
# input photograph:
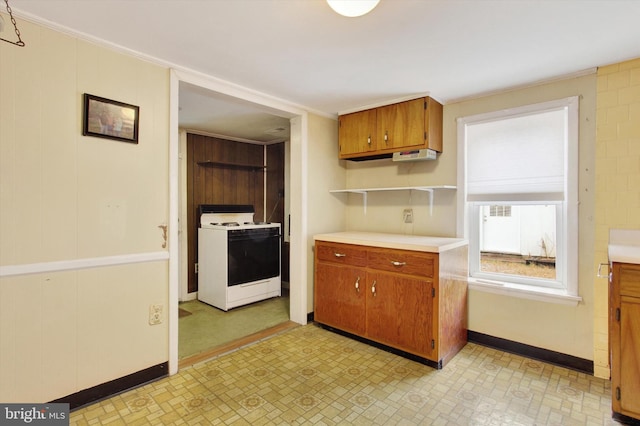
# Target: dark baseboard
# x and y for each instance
(625, 420)
(412, 357)
(310, 317)
(114, 387)
(556, 358)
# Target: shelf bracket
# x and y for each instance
(364, 199)
(430, 191)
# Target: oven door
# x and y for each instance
(254, 254)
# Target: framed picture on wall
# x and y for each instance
(104, 118)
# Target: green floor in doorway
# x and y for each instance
(208, 327)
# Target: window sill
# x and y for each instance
(525, 292)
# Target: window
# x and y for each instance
(519, 174)
(504, 211)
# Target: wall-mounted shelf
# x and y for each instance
(223, 164)
(365, 191)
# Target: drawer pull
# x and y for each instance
(373, 288)
(395, 263)
(339, 255)
(358, 285)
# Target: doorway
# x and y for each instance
(221, 171)
(296, 199)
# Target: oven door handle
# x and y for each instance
(252, 284)
(253, 237)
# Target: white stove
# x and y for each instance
(239, 221)
(238, 258)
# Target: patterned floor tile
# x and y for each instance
(310, 376)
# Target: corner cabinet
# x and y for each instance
(624, 332)
(379, 132)
(411, 301)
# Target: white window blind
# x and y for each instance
(518, 158)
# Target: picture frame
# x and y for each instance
(106, 118)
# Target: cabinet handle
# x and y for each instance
(386, 136)
(358, 285)
(396, 263)
(369, 140)
(339, 255)
(373, 288)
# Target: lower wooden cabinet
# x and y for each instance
(407, 300)
(624, 333)
(339, 297)
(399, 313)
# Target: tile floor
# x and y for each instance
(310, 376)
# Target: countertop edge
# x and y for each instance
(394, 241)
(623, 253)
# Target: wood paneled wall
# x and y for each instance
(220, 171)
(275, 199)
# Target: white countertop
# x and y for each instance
(394, 241)
(624, 245)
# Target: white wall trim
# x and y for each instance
(525, 292)
(300, 247)
(541, 82)
(77, 264)
(174, 219)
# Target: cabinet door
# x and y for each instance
(401, 125)
(339, 297)
(629, 356)
(625, 339)
(399, 312)
(357, 133)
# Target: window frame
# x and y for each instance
(565, 290)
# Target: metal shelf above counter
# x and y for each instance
(364, 191)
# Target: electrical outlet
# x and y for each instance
(407, 215)
(155, 314)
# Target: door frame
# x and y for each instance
(298, 198)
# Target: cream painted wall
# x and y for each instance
(385, 209)
(65, 197)
(326, 212)
(617, 179)
(561, 328)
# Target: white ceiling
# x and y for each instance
(302, 52)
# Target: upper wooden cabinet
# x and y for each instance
(357, 133)
(379, 132)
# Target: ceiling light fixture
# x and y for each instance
(353, 8)
(15, 27)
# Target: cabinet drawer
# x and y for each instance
(403, 261)
(630, 280)
(345, 254)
